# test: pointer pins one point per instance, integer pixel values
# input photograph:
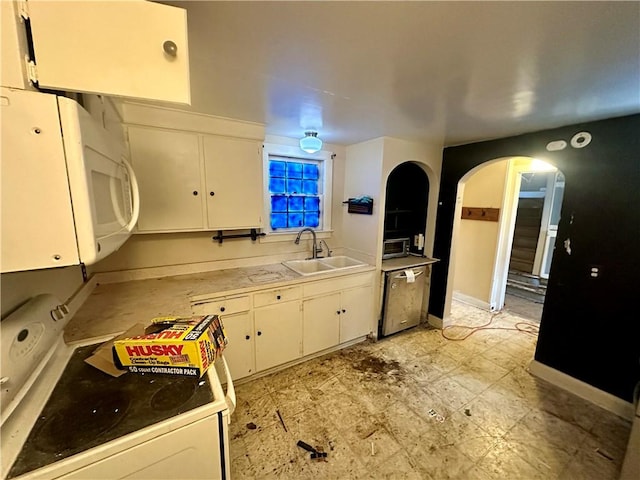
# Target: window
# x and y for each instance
(295, 186)
(294, 192)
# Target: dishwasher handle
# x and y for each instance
(404, 275)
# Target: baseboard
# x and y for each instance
(474, 302)
(434, 321)
(583, 390)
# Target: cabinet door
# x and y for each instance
(355, 318)
(239, 350)
(167, 165)
(233, 173)
(278, 331)
(321, 327)
(238, 328)
(114, 48)
(37, 221)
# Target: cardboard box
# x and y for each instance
(172, 345)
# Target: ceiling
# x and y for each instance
(447, 72)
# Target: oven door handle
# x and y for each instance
(230, 396)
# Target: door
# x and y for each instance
(278, 330)
(549, 225)
(355, 314)
(239, 351)
(321, 323)
(167, 165)
(113, 48)
(233, 172)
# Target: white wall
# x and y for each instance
(19, 287)
(429, 157)
(476, 241)
(363, 176)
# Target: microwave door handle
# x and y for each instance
(135, 199)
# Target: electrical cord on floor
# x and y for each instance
(525, 327)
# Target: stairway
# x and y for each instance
(525, 285)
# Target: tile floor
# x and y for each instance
(419, 406)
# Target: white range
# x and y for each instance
(62, 418)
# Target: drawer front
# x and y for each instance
(280, 295)
(221, 306)
(336, 284)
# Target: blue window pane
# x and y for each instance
(278, 220)
(311, 204)
(294, 186)
(310, 187)
(296, 204)
(311, 219)
(277, 169)
(278, 203)
(276, 185)
(294, 170)
(310, 171)
(295, 220)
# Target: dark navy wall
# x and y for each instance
(590, 327)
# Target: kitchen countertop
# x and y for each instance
(114, 307)
(400, 263)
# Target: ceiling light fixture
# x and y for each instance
(310, 143)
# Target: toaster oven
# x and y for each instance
(395, 247)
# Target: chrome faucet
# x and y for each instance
(315, 250)
(329, 252)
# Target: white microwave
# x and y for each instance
(69, 195)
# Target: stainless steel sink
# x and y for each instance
(322, 265)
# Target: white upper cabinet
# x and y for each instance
(233, 172)
(167, 164)
(133, 49)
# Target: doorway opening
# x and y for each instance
(534, 236)
(492, 259)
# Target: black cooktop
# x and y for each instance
(88, 408)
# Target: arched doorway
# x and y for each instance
(488, 254)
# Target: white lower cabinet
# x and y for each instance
(236, 316)
(271, 327)
(239, 353)
(321, 327)
(356, 312)
(278, 330)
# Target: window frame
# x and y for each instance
(292, 153)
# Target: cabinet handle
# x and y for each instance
(278, 297)
(212, 193)
(222, 309)
(195, 193)
(259, 333)
(170, 48)
(338, 312)
(344, 311)
(247, 337)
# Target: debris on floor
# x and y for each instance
(317, 453)
(436, 415)
(251, 426)
(467, 412)
(282, 421)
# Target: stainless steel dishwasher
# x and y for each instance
(403, 299)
